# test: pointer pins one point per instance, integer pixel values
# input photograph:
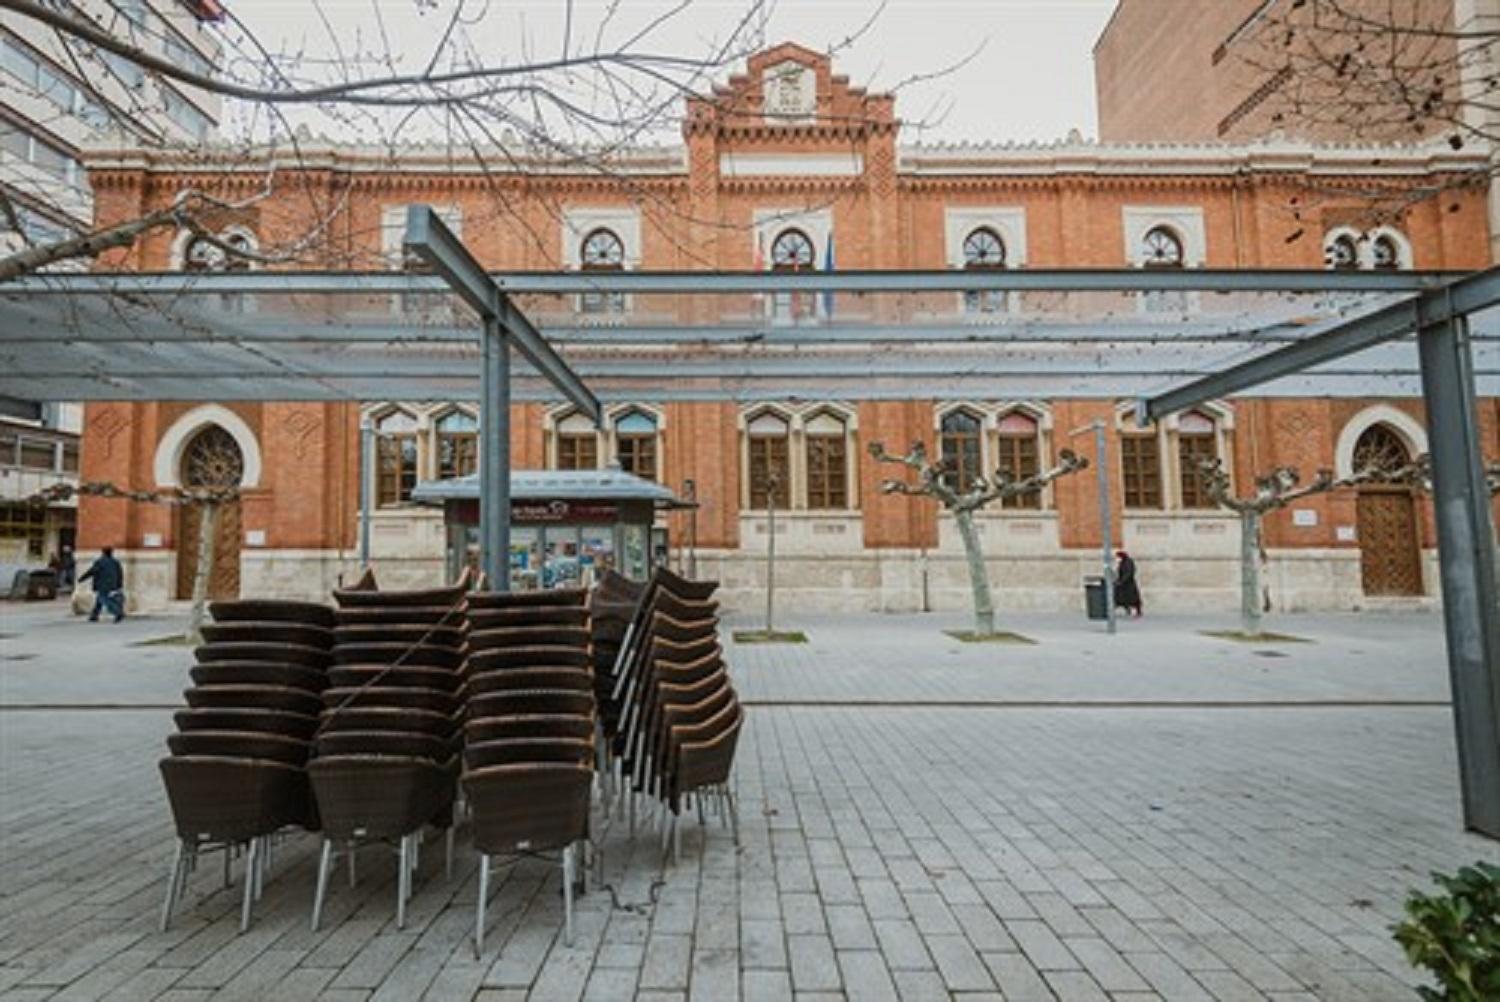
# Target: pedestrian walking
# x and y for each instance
(69, 569)
(109, 584)
(1127, 588)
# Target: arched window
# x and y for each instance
(458, 445)
(769, 468)
(396, 458)
(1341, 253)
(1380, 448)
(984, 251)
(222, 253)
(577, 443)
(827, 444)
(959, 442)
(1197, 440)
(1385, 253)
(1019, 436)
(792, 250)
(602, 250)
(212, 459)
(635, 444)
(1161, 248)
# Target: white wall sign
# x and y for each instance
(151, 540)
(255, 537)
(1344, 533)
(1304, 517)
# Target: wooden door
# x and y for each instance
(1390, 557)
(211, 459)
(224, 581)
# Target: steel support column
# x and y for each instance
(1466, 545)
(367, 475)
(494, 464)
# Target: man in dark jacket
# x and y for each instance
(109, 580)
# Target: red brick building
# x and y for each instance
(786, 158)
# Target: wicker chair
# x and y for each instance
(255, 697)
(258, 673)
(528, 808)
(386, 761)
(235, 775)
(530, 731)
(517, 679)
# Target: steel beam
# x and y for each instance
(367, 477)
(1464, 296)
(336, 283)
(428, 237)
(1466, 546)
(494, 464)
(535, 349)
(960, 280)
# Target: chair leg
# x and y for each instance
(448, 850)
(260, 866)
(227, 881)
(734, 814)
(252, 859)
(567, 860)
(484, 890)
(353, 848)
(174, 879)
(325, 861)
(403, 878)
(698, 803)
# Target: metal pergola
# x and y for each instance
(1167, 339)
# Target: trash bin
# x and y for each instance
(41, 586)
(1094, 599)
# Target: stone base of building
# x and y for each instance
(1303, 580)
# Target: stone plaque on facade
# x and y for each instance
(791, 91)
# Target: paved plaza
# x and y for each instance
(1155, 815)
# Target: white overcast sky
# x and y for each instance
(1033, 78)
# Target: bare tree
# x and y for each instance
(1278, 489)
(1273, 491)
(608, 90)
(1379, 72)
(935, 480)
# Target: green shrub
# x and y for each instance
(1456, 935)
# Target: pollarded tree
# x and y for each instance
(1281, 487)
(1273, 491)
(935, 480)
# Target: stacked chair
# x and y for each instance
(679, 715)
(530, 727)
(612, 607)
(385, 756)
(237, 771)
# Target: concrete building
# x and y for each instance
(785, 162)
(56, 101)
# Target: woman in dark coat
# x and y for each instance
(1127, 589)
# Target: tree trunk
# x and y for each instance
(208, 518)
(1250, 600)
(984, 607)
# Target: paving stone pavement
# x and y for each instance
(1209, 850)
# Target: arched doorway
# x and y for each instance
(211, 458)
(1389, 550)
